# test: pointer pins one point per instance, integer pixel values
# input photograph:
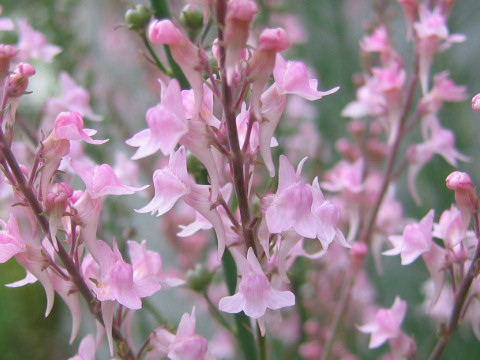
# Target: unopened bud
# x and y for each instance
(138, 17)
(476, 102)
(57, 197)
(199, 278)
(192, 20)
(465, 194)
(357, 253)
(18, 81)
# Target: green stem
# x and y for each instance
(217, 314)
(262, 346)
(154, 311)
(154, 55)
(161, 11)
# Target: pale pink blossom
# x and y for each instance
(387, 324)
(186, 344)
(172, 183)
(30, 256)
(166, 122)
(327, 216)
(101, 180)
(465, 193)
(11, 242)
(33, 44)
(185, 54)
(291, 206)
(345, 176)
(273, 105)
(86, 349)
(115, 280)
(444, 89)
(147, 269)
(441, 142)
(69, 293)
(476, 102)
(255, 293)
(451, 229)
(73, 98)
(415, 240)
(238, 18)
(291, 77)
(432, 36)
(262, 62)
(6, 24)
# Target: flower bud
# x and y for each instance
(476, 102)
(57, 197)
(358, 252)
(465, 194)
(192, 20)
(199, 278)
(18, 81)
(138, 17)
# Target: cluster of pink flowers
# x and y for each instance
(224, 90)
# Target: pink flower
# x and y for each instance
(239, 16)
(101, 180)
(415, 240)
(291, 206)
(185, 54)
(465, 193)
(147, 269)
(262, 62)
(86, 350)
(116, 282)
(11, 242)
(33, 44)
(166, 124)
(327, 216)
(433, 36)
(172, 183)
(185, 345)
(30, 256)
(291, 77)
(476, 102)
(444, 89)
(386, 325)
(73, 98)
(273, 105)
(254, 294)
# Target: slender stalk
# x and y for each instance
(366, 233)
(339, 314)
(460, 300)
(236, 158)
(154, 56)
(221, 320)
(70, 266)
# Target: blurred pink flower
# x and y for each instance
(387, 324)
(255, 293)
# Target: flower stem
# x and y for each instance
(71, 267)
(366, 233)
(460, 300)
(236, 158)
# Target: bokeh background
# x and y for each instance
(106, 58)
